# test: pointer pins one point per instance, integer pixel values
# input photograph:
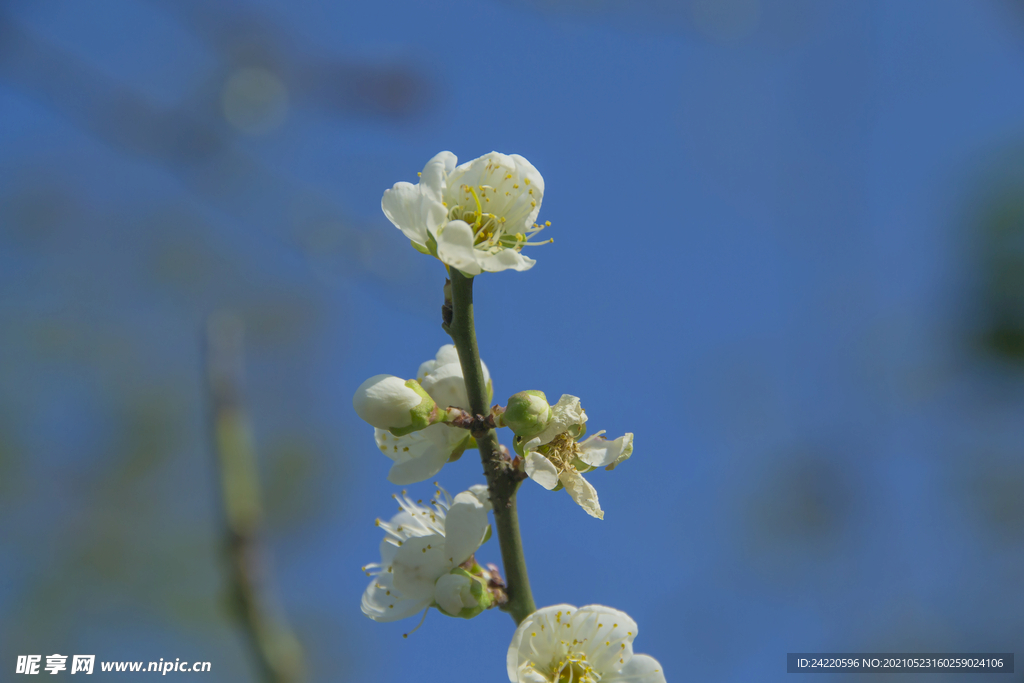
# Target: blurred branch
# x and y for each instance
(202, 155)
(243, 37)
(274, 645)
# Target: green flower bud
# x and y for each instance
(527, 413)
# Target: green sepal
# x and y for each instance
(423, 415)
(467, 443)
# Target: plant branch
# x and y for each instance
(273, 644)
(502, 479)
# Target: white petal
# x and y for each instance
(597, 451)
(537, 640)
(412, 212)
(582, 492)
(420, 455)
(606, 631)
(455, 247)
(381, 602)
(528, 674)
(447, 354)
(504, 260)
(486, 170)
(435, 174)
(482, 494)
(426, 368)
(452, 593)
(541, 470)
(527, 171)
(447, 386)
(639, 669)
(418, 564)
(385, 402)
(464, 528)
(564, 414)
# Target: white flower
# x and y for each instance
(555, 457)
(560, 644)
(422, 545)
(476, 216)
(421, 455)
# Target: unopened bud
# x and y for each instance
(461, 594)
(398, 405)
(527, 413)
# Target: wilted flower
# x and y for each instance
(562, 644)
(476, 216)
(555, 457)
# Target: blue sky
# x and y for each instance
(768, 219)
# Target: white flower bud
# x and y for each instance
(392, 403)
(460, 594)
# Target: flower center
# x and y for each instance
(483, 207)
(573, 668)
(561, 451)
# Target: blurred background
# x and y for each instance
(789, 256)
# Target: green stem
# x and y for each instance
(502, 481)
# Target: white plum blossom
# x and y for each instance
(556, 457)
(562, 644)
(420, 455)
(476, 217)
(422, 545)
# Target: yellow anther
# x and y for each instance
(526, 180)
(547, 224)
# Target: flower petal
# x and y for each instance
(564, 414)
(447, 386)
(435, 173)
(450, 591)
(482, 494)
(582, 492)
(597, 451)
(382, 602)
(609, 635)
(504, 260)
(639, 669)
(455, 247)
(418, 564)
(537, 641)
(420, 455)
(464, 528)
(415, 214)
(541, 470)
(385, 402)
